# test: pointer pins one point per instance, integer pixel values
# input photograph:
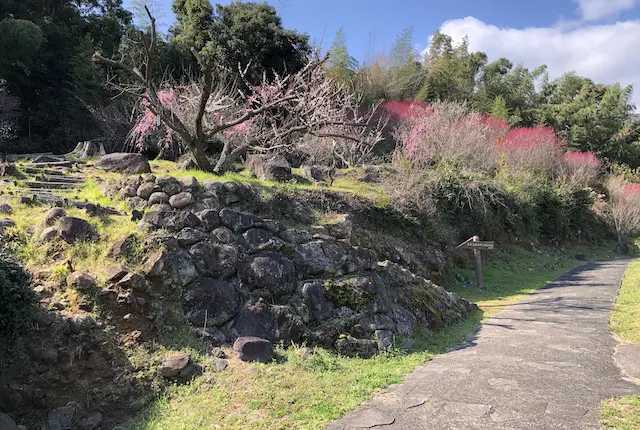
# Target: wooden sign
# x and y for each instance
(479, 245)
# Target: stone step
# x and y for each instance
(51, 164)
(42, 170)
(105, 210)
(58, 179)
(51, 185)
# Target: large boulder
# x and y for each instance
(352, 347)
(53, 215)
(214, 260)
(313, 294)
(239, 222)
(259, 239)
(72, 229)
(126, 163)
(252, 348)
(172, 221)
(269, 270)
(211, 300)
(269, 167)
(277, 323)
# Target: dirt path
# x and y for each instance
(544, 363)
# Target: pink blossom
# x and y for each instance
(581, 158)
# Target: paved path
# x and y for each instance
(544, 363)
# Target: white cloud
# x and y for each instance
(604, 53)
(594, 10)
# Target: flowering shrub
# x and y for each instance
(624, 201)
(399, 111)
(578, 169)
(147, 121)
(530, 148)
(450, 131)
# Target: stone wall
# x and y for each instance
(237, 274)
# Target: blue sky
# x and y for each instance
(596, 38)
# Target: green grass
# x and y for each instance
(511, 273)
(624, 412)
(297, 393)
(625, 319)
(621, 413)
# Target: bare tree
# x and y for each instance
(624, 201)
(272, 116)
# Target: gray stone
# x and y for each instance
(6, 423)
(72, 229)
(63, 418)
(81, 323)
(296, 236)
(314, 173)
(269, 270)
(313, 294)
(213, 260)
(190, 236)
(48, 234)
(220, 364)
(81, 281)
(184, 265)
(92, 422)
(340, 226)
(146, 189)
(259, 239)
(173, 364)
(273, 322)
(269, 167)
(49, 356)
(209, 218)
(53, 215)
(133, 282)
(116, 272)
(158, 198)
(125, 247)
(211, 335)
(404, 320)
(189, 182)
(181, 200)
(352, 347)
(171, 221)
(126, 163)
(190, 371)
(239, 222)
(212, 300)
(385, 339)
(6, 209)
(253, 349)
(368, 418)
(222, 235)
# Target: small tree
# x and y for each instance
(271, 116)
(624, 201)
(578, 169)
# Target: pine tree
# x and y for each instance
(341, 66)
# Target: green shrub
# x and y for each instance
(17, 299)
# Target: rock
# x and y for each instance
(269, 270)
(49, 356)
(218, 352)
(296, 236)
(209, 218)
(212, 203)
(63, 418)
(190, 236)
(126, 163)
(6, 209)
(169, 184)
(158, 265)
(116, 272)
(258, 239)
(10, 399)
(313, 294)
(72, 229)
(222, 235)
(581, 257)
(352, 347)
(158, 198)
(81, 281)
(6, 423)
(371, 323)
(48, 234)
(81, 323)
(622, 248)
(171, 221)
(125, 247)
(53, 215)
(211, 299)
(181, 200)
(173, 364)
(253, 349)
(146, 189)
(384, 339)
(320, 257)
(189, 182)
(404, 320)
(220, 364)
(92, 422)
(184, 265)
(340, 227)
(133, 282)
(136, 203)
(314, 173)
(276, 323)
(269, 167)
(211, 335)
(239, 222)
(213, 260)
(407, 344)
(190, 371)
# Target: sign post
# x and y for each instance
(477, 245)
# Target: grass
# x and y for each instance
(292, 392)
(511, 273)
(624, 412)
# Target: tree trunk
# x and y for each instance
(201, 159)
(227, 157)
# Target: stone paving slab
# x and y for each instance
(544, 363)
